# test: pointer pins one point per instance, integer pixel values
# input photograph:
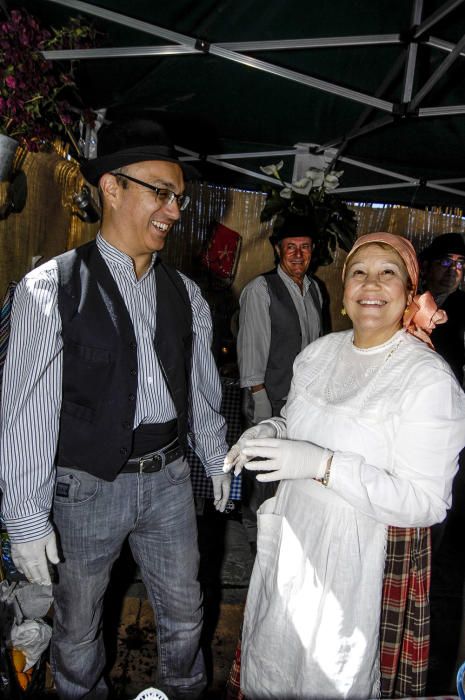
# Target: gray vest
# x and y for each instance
(286, 337)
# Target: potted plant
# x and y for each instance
(36, 95)
(312, 197)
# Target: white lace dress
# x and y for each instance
(394, 416)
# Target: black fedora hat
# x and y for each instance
(293, 226)
(132, 141)
(445, 244)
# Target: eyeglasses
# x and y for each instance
(164, 195)
(455, 264)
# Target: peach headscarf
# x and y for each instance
(422, 315)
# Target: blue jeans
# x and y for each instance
(93, 518)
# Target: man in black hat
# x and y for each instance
(109, 370)
(280, 313)
(442, 265)
(442, 268)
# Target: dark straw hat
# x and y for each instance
(445, 244)
(124, 143)
(293, 226)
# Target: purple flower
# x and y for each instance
(30, 86)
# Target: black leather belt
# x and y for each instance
(153, 461)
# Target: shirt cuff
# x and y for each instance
(31, 527)
(215, 469)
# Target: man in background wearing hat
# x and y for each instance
(442, 272)
(280, 314)
(442, 266)
(109, 370)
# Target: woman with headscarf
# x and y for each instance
(366, 451)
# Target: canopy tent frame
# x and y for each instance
(408, 107)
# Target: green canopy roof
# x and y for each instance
(240, 83)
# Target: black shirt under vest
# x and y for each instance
(100, 372)
(448, 338)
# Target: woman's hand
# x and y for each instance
(286, 459)
(235, 458)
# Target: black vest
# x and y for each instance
(448, 337)
(100, 372)
(286, 336)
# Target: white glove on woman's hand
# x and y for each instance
(235, 459)
(221, 489)
(286, 459)
(30, 558)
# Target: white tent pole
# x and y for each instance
(203, 46)
(372, 126)
(312, 43)
(434, 186)
(171, 49)
(436, 16)
(438, 73)
(441, 44)
(230, 166)
(357, 130)
(375, 169)
(412, 52)
(447, 180)
(254, 154)
(381, 186)
(441, 111)
(279, 45)
(126, 21)
(117, 52)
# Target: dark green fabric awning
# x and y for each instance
(240, 82)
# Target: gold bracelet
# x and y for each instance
(324, 480)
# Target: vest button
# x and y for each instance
(132, 397)
(123, 450)
(133, 345)
(126, 425)
(133, 372)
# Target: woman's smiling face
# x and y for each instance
(376, 292)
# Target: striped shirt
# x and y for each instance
(32, 387)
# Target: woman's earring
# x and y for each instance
(343, 312)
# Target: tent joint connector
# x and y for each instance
(402, 110)
(409, 36)
(202, 45)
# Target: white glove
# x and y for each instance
(30, 558)
(235, 459)
(221, 489)
(286, 459)
(261, 406)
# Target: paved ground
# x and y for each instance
(226, 563)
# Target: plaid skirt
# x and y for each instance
(404, 625)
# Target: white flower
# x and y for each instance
(285, 193)
(302, 186)
(316, 176)
(272, 169)
(331, 180)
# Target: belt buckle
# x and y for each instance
(150, 461)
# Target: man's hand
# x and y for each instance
(286, 459)
(221, 489)
(261, 405)
(235, 459)
(30, 558)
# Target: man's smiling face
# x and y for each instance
(143, 221)
(295, 255)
